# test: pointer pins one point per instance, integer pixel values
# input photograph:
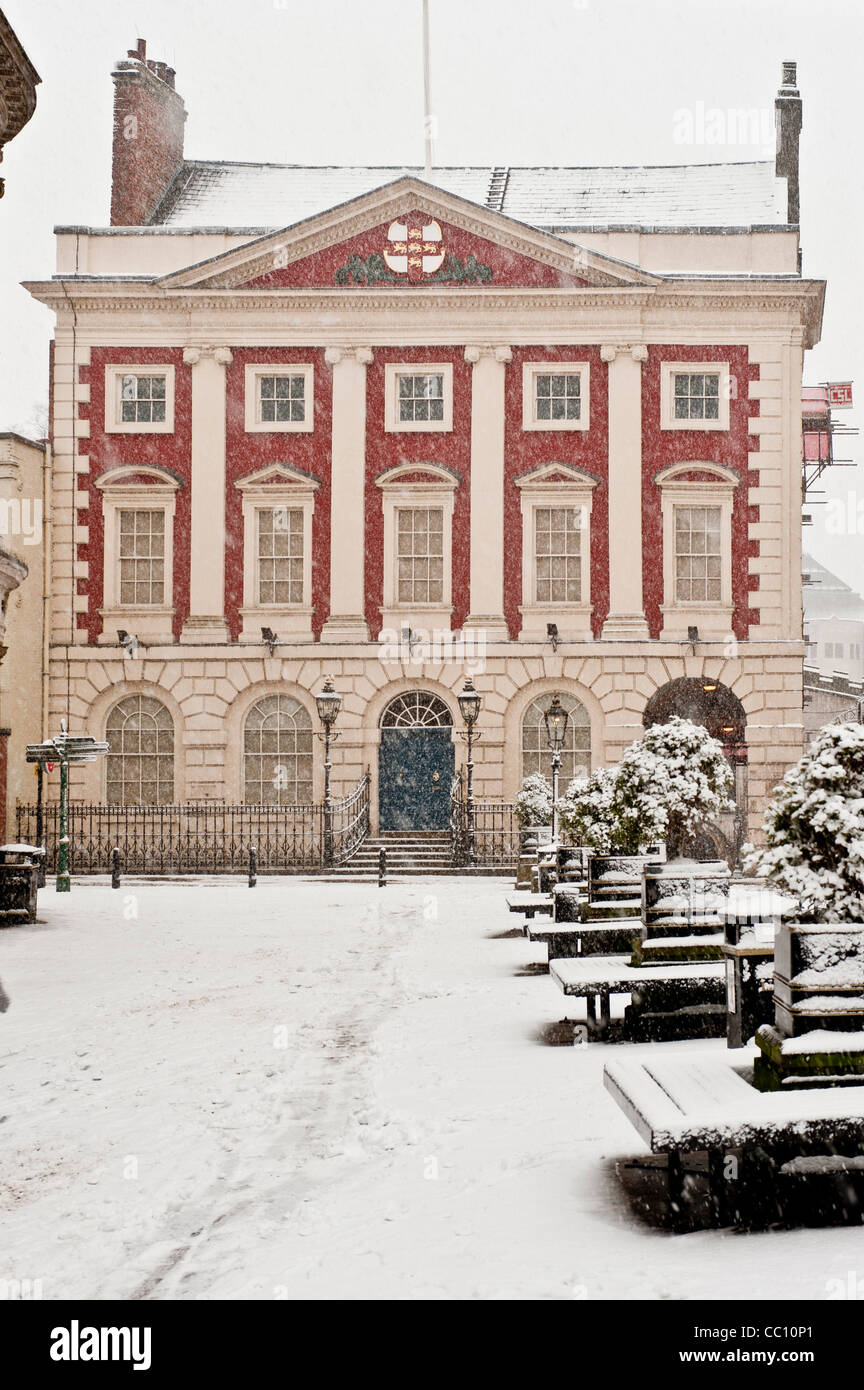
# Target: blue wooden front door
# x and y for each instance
(415, 770)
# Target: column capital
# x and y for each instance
(334, 355)
(223, 355)
(475, 351)
(609, 351)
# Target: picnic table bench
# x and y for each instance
(529, 903)
(19, 878)
(697, 1104)
(597, 978)
(577, 939)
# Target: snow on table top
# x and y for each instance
(692, 1103)
(659, 942)
(745, 899)
(576, 975)
(845, 974)
(824, 1040)
(829, 1004)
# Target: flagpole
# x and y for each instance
(427, 93)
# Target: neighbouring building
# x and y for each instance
(23, 672)
(18, 82)
(834, 641)
(20, 472)
(833, 623)
(539, 425)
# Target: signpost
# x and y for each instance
(64, 749)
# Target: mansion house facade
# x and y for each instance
(539, 426)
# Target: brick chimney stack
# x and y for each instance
(789, 119)
(148, 136)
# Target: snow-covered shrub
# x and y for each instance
(668, 785)
(586, 810)
(534, 801)
(814, 828)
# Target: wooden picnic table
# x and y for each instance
(705, 1103)
(529, 903)
(597, 978)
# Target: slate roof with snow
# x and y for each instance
(261, 196)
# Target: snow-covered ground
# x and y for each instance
(313, 1090)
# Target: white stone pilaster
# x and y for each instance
(626, 617)
(486, 604)
(347, 618)
(206, 621)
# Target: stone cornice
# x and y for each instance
(19, 82)
(802, 299)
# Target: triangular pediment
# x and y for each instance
(408, 234)
(277, 475)
(550, 474)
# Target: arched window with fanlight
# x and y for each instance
(277, 752)
(140, 761)
(576, 750)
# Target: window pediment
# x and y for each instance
(138, 475)
(556, 474)
(697, 471)
(423, 475)
(278, 475)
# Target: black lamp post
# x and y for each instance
(469, 705)
(556, 720)
(329, 704)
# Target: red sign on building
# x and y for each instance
(840, 395)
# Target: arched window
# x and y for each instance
(416, 709)
(140, 762)
(576, 753)
(277, 752)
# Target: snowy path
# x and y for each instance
(325, 1090)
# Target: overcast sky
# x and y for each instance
(550, 82)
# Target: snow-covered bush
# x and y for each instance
(814, 828)
(534, 801)
(586, 810)
(668, 785)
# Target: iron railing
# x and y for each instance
(207, 837)
(496, 830)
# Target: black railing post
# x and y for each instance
(253, 866)
(115, 867)
(382, 868)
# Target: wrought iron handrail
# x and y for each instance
(354, 813)
(458, 822)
